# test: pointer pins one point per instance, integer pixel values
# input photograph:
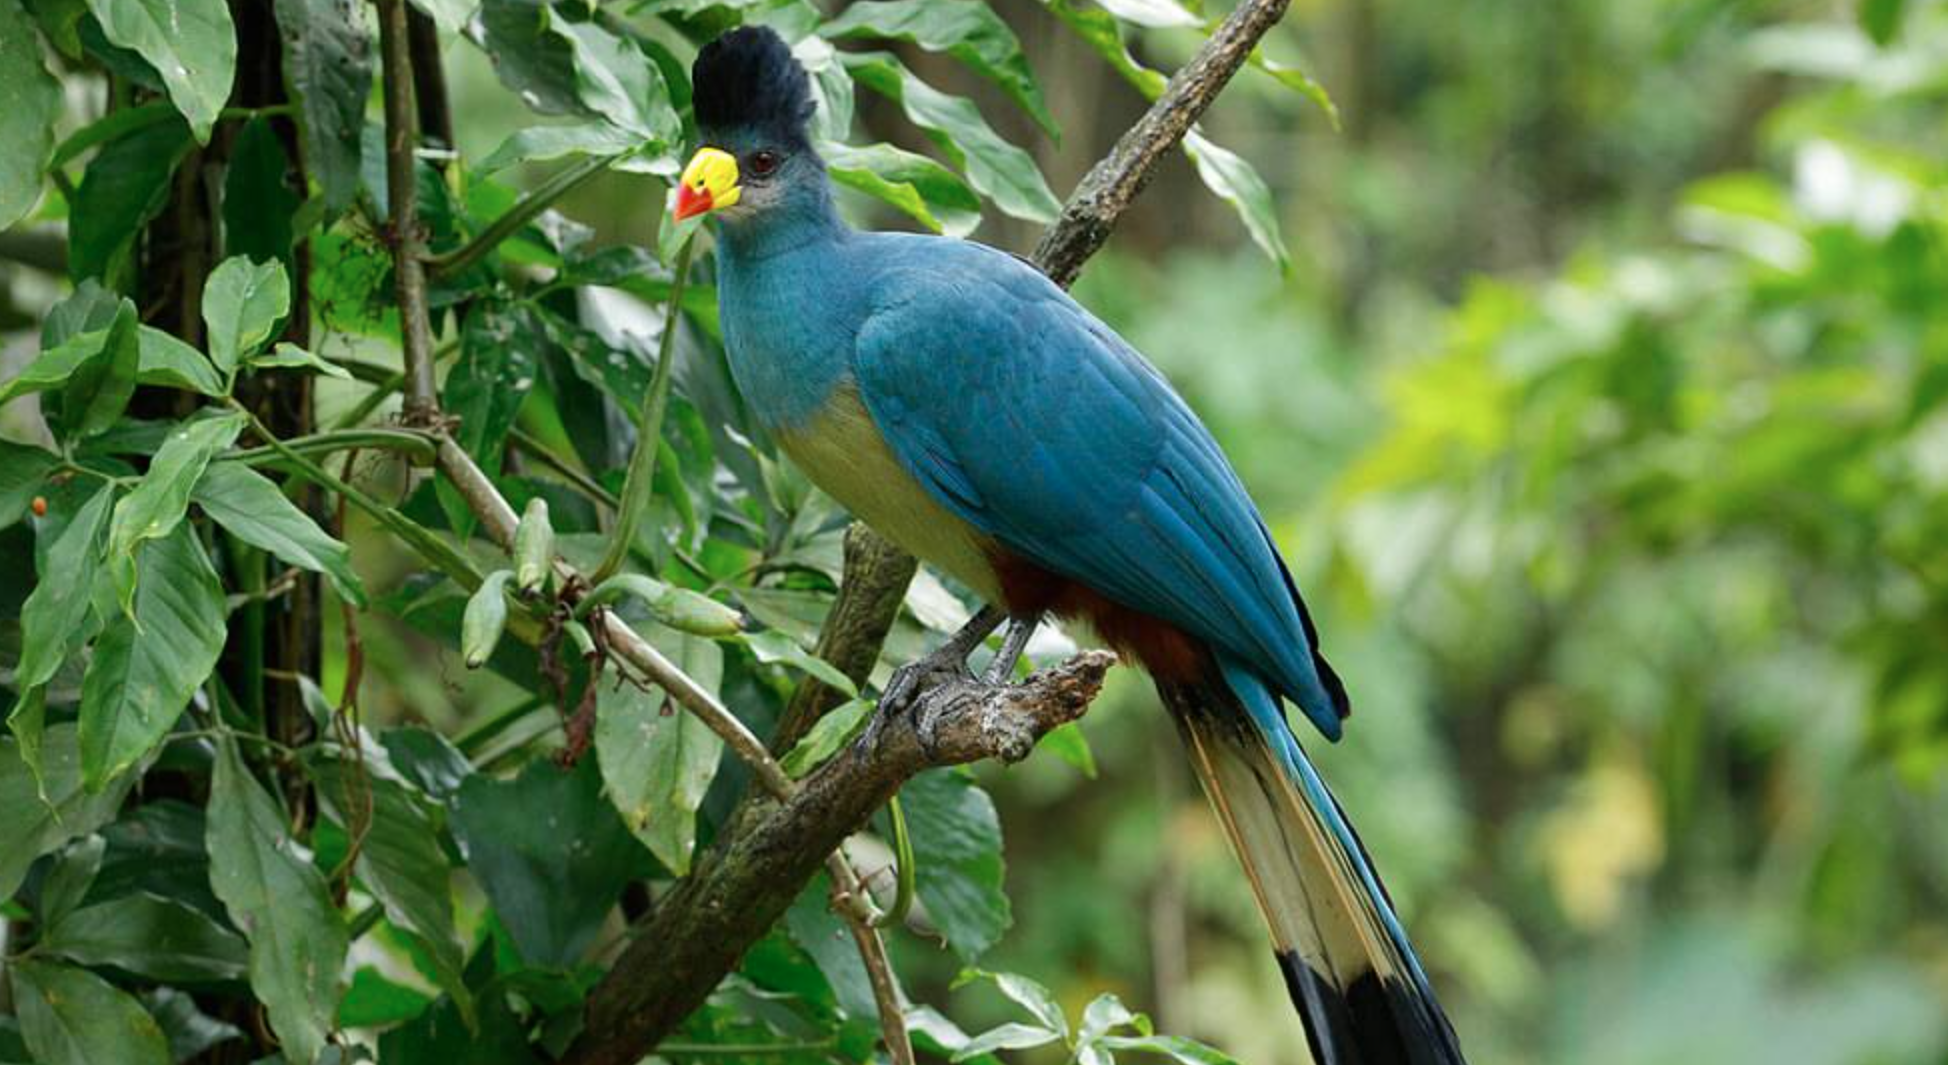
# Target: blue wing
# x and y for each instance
(1021, 412)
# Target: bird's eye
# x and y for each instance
(763, 163)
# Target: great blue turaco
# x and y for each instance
(953, 398)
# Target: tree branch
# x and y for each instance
(871, 589)
(402, 203)
(702, 927)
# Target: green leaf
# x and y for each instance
(1106, 1013)
(997, 169)
(258, 200)
(256, 511)
(1068, 743)
(73, 1017)
(826, 938)
(190, 1031)
(826, 736)
(328, 62)
(30, 101)
(280, 900)
(925, 190)
(1238, 184)
(775, 646)
(148, 664)
(657, 764)
(1300, 82)
(1177, 1048)
(68, 881)
(539, 144)
(126, 185)
(616, 81)
(23, 476)
(1881, 19)
(158, 503)
(243, 302)
(1100, 31)
(551, 853)
(94, 362)
(403, 865)
(169, 362)
(1026, 993)
(28, 723)
(968, 30)
(35, 825)
(428, 760)
(372, 1001)
(288, 356)
(1160, 14)
(533, 62)
(151, 936)
(451, 16)
(58, 606)
(957, 843)
(192, 44)
(491, 379)
(1009, 1036)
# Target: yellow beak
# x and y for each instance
(708, 183)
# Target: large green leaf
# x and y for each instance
(58, 606)
(1100, 31)
(92, 354)
(258, 200)
(1238, 184)
(272, 891)
(997, 169)
(171, 363)
(826, 938)
(126, 185)
(493, 376)
(253, 509)
(925, 190)
(23, 476)
(551, 853)
(451, 16)
(535, 63)
(191, 43)
(242, 303)
(34, 826)
(148, 663)
(657, 763)
(615, 80)
(190, 1031)
(539, 144)
(158, 503)
(402, 864)
(957, 848)
(328, 63)
(68, 881)
(71, 1016)
(151, 936)
(30, 101)
(968, 30)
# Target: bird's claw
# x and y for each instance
(920, 676)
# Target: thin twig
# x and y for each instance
(402, 207)
(641, 475)
(544, 195)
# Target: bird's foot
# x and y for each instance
(910, 681)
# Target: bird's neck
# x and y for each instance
(805, 217)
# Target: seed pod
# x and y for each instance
(40, 506)
(679, 608)
(534, 547)
(480, 629)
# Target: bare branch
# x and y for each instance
(402, 206)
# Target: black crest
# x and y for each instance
(749, 78)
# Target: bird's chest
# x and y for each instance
(788, 335)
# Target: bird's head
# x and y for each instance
(753, 102)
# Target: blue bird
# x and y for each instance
(956, 400)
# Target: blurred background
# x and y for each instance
(1603, 414)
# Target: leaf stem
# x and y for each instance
(543, 196)
(414, 445)
(641, 477)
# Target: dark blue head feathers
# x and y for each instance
(748, 79)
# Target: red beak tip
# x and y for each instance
(690, 202)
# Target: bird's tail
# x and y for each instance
(1347, 963)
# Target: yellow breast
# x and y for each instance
(843, 453)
